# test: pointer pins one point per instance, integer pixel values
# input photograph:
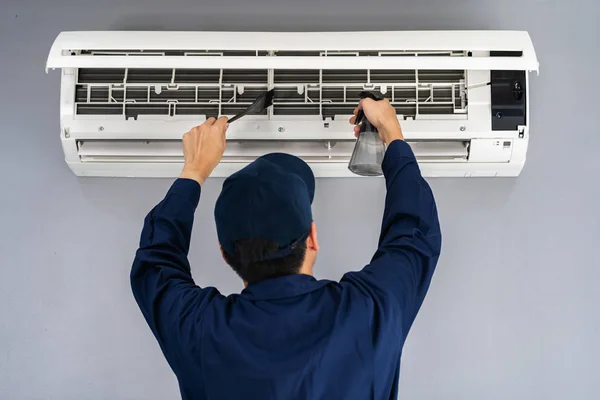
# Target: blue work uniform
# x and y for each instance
(291, 337)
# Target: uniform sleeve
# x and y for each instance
(161, 279)
(410, 240)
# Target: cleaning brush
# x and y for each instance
(262, 102)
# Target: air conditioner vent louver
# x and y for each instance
(322, 151)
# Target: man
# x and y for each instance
(287, 335)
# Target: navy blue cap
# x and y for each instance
(268, 199)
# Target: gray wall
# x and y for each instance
(513, 309)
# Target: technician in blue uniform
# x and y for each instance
(287, 335)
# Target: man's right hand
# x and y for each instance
(382, 115)
(203, 148)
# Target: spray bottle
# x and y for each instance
(369, 150)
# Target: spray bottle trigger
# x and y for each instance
(366, 95)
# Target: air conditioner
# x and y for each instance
(128, 97)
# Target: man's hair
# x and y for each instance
(249, 263)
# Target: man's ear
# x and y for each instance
(311, 241)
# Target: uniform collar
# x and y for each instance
(282, 287)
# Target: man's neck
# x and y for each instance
(306, 270)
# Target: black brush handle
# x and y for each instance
(237, 116)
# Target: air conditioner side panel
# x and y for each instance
(67, 111)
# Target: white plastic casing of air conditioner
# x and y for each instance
(128, 97)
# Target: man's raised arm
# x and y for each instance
(410, 240)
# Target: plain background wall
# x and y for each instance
(513, 309)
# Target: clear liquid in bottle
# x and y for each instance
(368, 153)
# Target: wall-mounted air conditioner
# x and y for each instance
(128, 97)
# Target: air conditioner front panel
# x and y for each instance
(256, 50)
